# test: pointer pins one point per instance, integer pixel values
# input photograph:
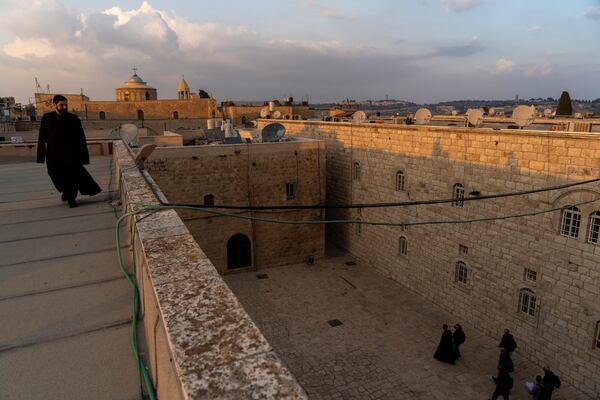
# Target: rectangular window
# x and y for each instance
(356, 171)
(598, 335)
(528, 302)
(571, 220)
(290, 191)
(463, 250)
(594, 235)
(529, 275)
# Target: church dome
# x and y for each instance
(135, 79)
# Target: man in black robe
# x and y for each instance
(445, 350)
(62, 144)
(508, 342)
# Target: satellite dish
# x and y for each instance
(359, 117)
(276, 114)
(264, 112)
(492, 112)
(422, 116)
(128, 133)
(454, 112)
(523, 115)
(143, 154)
(273, 132)
(474, 116)
(548, 112)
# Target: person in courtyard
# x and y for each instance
(504, 382)
(458, 338)
(537, 389)
(550, 381)
(62, 145)
(505, 361)
(508, 341)
(445, 350)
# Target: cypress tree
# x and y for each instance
(564, 105)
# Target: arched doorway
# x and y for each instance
(102, 115)
(140, 115)
(239, 252)
(175, 115)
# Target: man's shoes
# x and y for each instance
(72, 203)
(63, 197)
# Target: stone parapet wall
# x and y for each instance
(562, 332)
(28, 150)
(200, 343)
(242, 175)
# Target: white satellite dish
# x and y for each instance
(454, 112)
(422, 116)
(128, 133)
(474, 116)
(264, 112)
(492, 112)
(523, 115)
(276, 114)
(548, 112)
(359, 117)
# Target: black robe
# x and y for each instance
(62, 144)
(445, 350)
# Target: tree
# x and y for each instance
(564, 104)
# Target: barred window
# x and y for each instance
(461, 272)
(529, 275)
(527, 302)
(209, 200)
(400, 181)
(571, 220)
(356, 170)
(290, 191)
(403, 246)
(458, 194)
(594, 235)
(463, 250)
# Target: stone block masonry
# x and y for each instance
(538, 276)
(285, 173)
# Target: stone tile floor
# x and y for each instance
(384, 347)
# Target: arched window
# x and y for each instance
(594, 235)
(239, 252)
(147, 96)
(175, 115)
(461, 272)
(244, 120)
(597, 336)
(527, 302)
(209, 200)
(356, 170)
(102, 115)
(571, 220)
(458, 194)
(400, 181)
(140, 115)
(403, 246)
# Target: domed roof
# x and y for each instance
(135, 82)
(183, 86)
(135, 79)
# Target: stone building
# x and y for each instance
(136, 100)
(537, 275)
(259, 174)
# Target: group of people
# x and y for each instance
(449, 348)
(449, 351)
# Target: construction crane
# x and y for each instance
(38, 87)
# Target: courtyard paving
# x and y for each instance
(384, 347)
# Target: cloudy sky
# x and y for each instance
(417, 50)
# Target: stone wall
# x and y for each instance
(199, 341)
(562, 332)
(243, 175)
(116, 110)
(237, 114)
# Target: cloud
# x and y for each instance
(535, 29)
(20, 48)
(329, 12)
(543, 69)
(504, 66)
(473, 46)
(460, 5)
(592, 13)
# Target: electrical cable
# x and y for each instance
(381, 205)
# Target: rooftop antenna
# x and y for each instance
(474, 117)
(422, 116)
(523, 115)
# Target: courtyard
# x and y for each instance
(347, 332)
